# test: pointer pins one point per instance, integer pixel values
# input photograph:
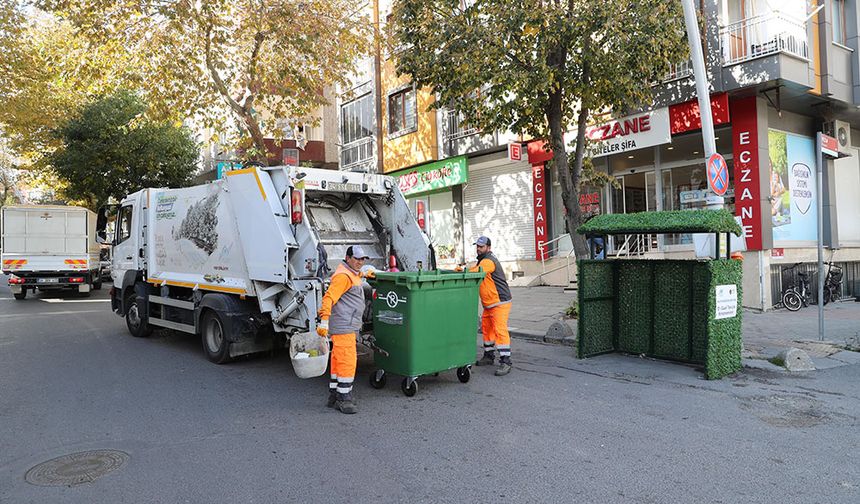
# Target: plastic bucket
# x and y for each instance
(309, 367)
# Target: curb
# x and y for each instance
(541, 337)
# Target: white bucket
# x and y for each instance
(309, 367)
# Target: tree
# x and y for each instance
(7, 176)
(110, 149)
(256, 57)
(46, 73)
(542, 66)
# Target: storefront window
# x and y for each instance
(435, 215)
(686, 188)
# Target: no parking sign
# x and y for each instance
(718, 174)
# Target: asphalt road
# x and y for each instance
(613, 429)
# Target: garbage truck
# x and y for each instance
(243, 261)
(49, 247)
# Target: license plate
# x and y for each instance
(48, 280)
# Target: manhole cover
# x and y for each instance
(76, 468)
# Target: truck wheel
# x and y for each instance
(137, 325)
(22, 295)
(97, 283)
(214, 337)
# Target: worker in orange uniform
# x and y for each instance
(496, 300)
(341, 315)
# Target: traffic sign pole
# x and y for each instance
(819, 160)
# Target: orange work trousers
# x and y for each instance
(494, 326)
(343, 362)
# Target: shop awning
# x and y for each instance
(676, 221)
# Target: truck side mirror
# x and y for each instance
(102, 220)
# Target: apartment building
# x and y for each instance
(459, 181)
(779, 72)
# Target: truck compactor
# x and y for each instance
(244, 261)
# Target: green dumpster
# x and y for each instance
(424, 322)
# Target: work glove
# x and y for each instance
(322, 328)
(458, 269)
(368, 271)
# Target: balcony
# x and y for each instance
(358, 154)
(457, 129)
(762, 36)
(679, 71)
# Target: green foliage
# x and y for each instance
(596, 307)
(673, 221)
(777, 361)
(636, 296)
(572, 311)
(110, 149)
(665, 309)
(8, 180)
(47, 71)
(216, 60)
(520, 53)
(725, 337)
(539, 68)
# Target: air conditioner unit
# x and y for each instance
(841, 131)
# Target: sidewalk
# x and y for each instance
(536, 309)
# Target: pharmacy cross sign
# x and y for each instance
(718, 174)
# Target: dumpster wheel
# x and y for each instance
(464, 374)
(409, 386)
(377, 379)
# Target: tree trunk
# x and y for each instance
(257, 136)
(242, 110)
(574, 213)
(569, 177)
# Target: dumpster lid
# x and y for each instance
(427, 276)
(673, 221)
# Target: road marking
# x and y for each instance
(75, 300)
(45, 314)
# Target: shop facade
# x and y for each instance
(434, 192)
(771, 159)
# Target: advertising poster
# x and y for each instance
(792, 186)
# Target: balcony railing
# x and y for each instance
(355, 153)
(762, 36)
(679, 71)
(456, 128)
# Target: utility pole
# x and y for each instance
(704, 96)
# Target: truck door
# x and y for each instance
(126, 242)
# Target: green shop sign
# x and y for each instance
(433, 176)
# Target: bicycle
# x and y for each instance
(795, 297)
(832, 283)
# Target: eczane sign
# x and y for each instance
(637, 131)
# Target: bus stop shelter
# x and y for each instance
(681, 310)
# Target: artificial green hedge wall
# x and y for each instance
(725, 340)
(661, 308)
(597, 279)
(671, 221)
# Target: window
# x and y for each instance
(402, 117)
(356, 130)
(839, 22)
(123, 230)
